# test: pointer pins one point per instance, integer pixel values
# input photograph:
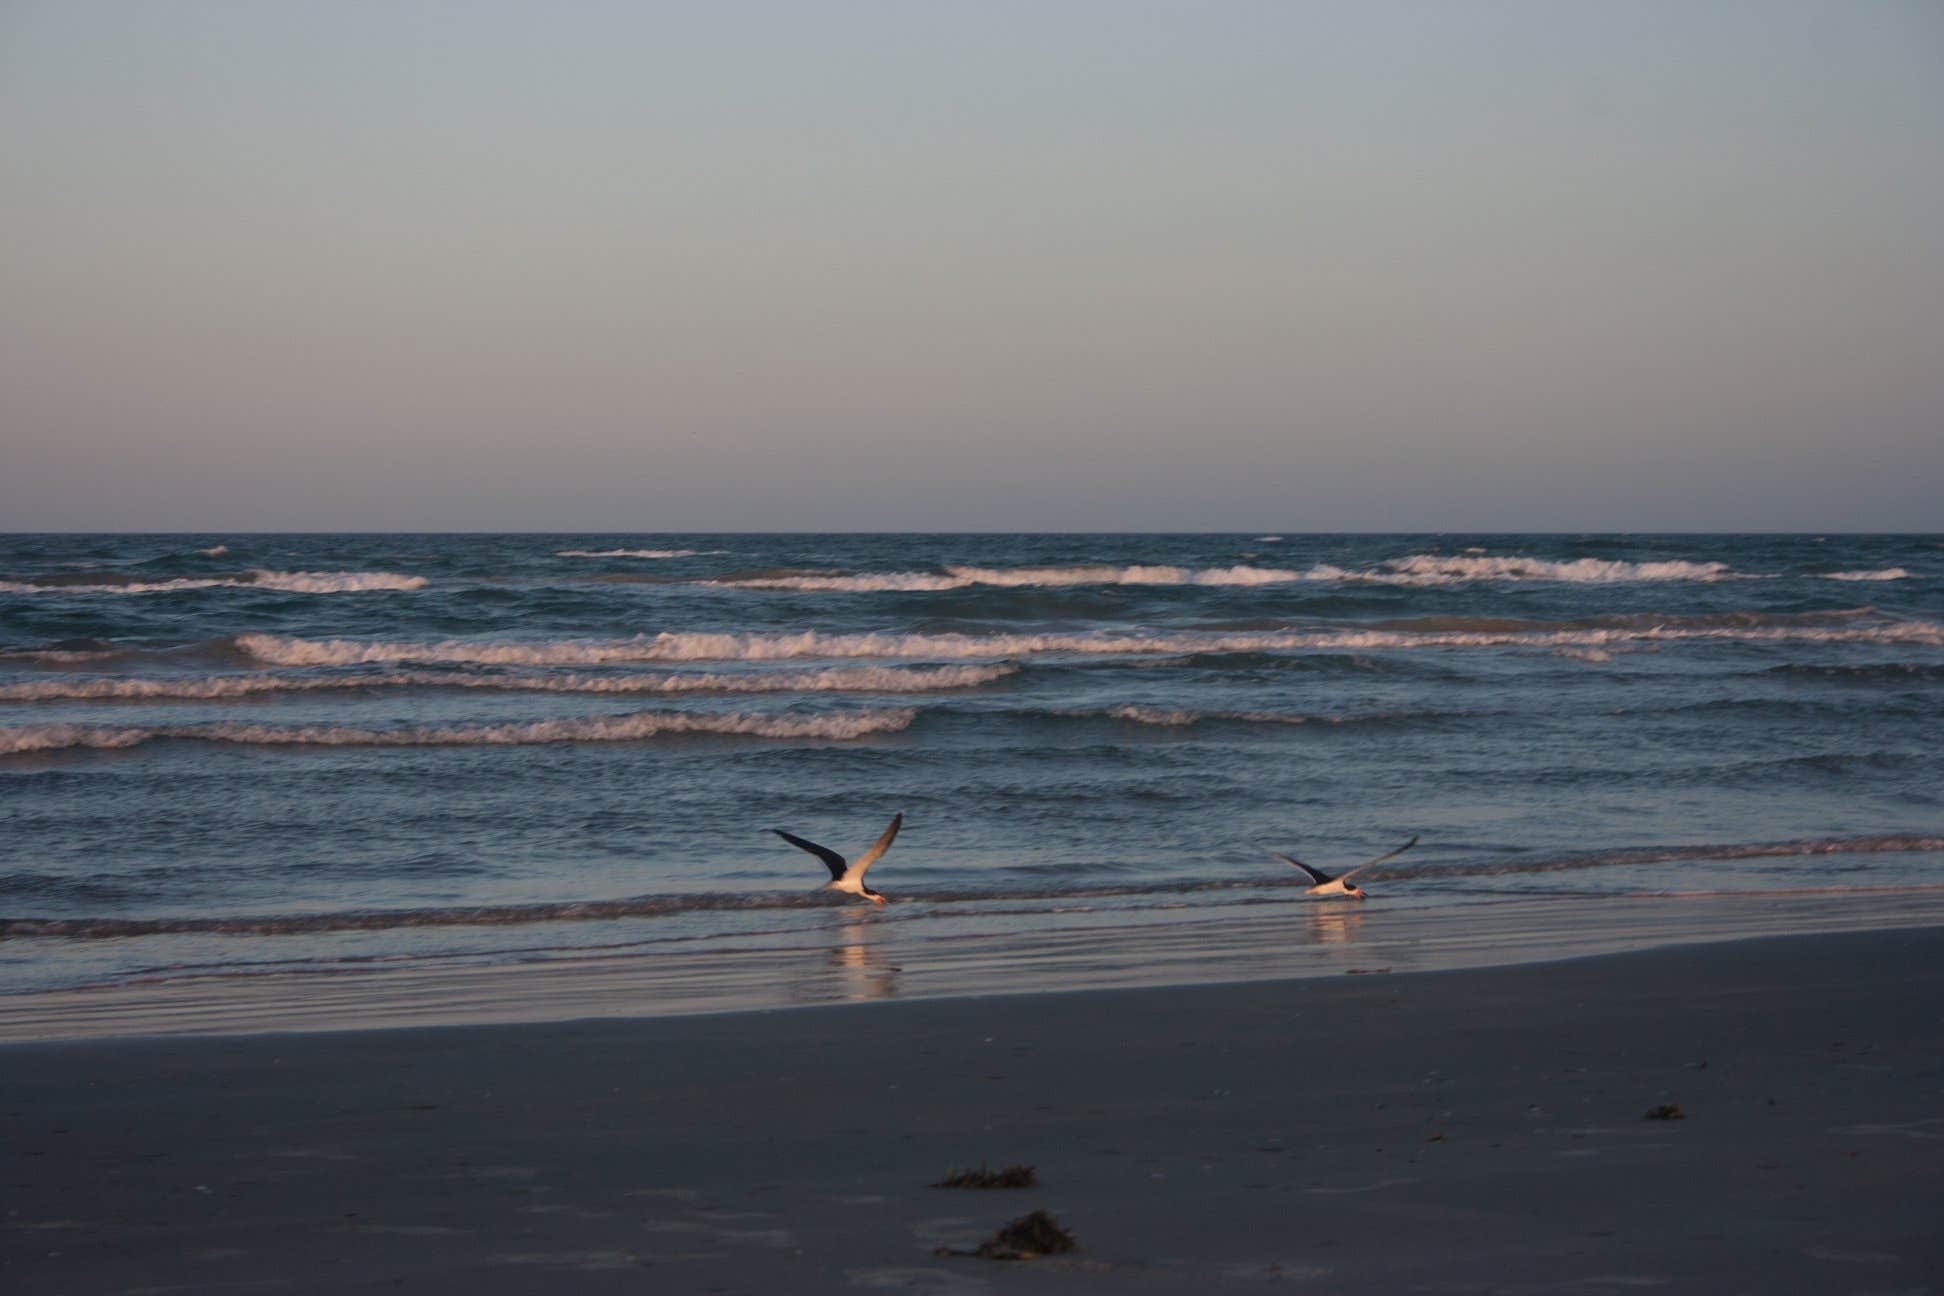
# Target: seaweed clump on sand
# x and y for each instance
(1013, 1176)
(1026, 1238)
(1666, 1111)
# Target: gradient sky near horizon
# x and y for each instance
(1007, 265)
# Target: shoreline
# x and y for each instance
(1461, 1130)
(855, 958)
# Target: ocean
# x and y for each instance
(225, 758)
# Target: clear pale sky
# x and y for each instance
(981, 265)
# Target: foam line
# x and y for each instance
(301, 582)
(286, 651)
(855, 679)
(620, 728)
(1415, 570)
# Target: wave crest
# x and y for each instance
(1416, 569)
(1887, 574)
(669, 646)
(836, 679)
(620, 728)
(1435, 569)
(298, 582)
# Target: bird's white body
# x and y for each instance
(847, 885)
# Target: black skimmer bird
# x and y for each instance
(1324, 885)
(844, 876)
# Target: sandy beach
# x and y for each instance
(1473, 1130)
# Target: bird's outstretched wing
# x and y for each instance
(832, 860)
(878, 847)
(1369, 864)
(1316, 875)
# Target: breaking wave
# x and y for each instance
(1434, 569)
(287, 651)
(619, 728)
(658, 906)
(951, 578)
(300, 582)
(854, 679)
(1887, 574)
(1416, 569)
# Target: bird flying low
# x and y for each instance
(844, 876)
(1323, 885)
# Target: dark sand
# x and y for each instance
(1459, 1131)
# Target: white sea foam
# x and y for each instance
(300, 582)
(1414, 570)
(836, 679)
(874, 582)
(620, 728)
(333, 582)
(625, 553)
(1887, 574)
(1438, 569)
(52, 737)
(214, 551)
(283, 651)
(1016, 578)
(1166, 719)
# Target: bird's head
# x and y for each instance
(874, 897)
(1357, 891)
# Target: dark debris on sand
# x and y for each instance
(1026, 1238)
(1013, 1176)
(1666, 1111)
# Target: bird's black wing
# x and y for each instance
(832, 860)
(1317, 876)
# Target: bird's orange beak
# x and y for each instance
(877, 899)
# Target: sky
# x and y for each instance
(989, 265)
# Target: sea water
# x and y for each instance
(233, 755)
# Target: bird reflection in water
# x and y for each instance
(860, 972)
(1334, 924)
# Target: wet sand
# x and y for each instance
(1454, 1131)
(858, 957)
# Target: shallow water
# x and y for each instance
(231, 754)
